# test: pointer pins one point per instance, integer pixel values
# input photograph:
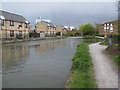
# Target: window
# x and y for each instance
(48, 27)
(2, 22)
(107, 24)
(20, 32)
(11, 33)
(11, 23)
(20, 25)
(26, 25)
(111, 25)
(111, 29)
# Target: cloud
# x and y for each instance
(65, 13)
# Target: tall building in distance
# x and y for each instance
(69, 28)
(39, 19)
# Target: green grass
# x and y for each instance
(104, 43)
(117, 60)
(91, 39)
(82, 69)
(101, 35)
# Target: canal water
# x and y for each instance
(38, 64)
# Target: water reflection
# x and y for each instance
(13, 55)
(38, 64)
(49, 46)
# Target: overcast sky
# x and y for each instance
(65, 13)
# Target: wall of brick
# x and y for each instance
(42, 26)
(6, 28)
(115, 28)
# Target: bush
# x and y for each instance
(104, 43)
(115, 38)
(68, 34)
(101, 35)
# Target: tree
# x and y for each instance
(87, 29)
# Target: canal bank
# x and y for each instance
(82, 72)
(30, 39)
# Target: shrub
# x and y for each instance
(101, 35)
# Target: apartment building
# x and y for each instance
(109, 28)
(13, 26)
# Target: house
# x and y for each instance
(69, 28)
(60, 30)
(109, 28)
(13, 26)
(45, 29)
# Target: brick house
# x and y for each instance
(13, 25)
(45, 29)
(60, 30)
(109, 28)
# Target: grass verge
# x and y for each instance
(117, 60)
(82, 73)
(104, 43)
(114, 52)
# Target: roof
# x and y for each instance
(12, 16)
(49, 23)
(112, 22)
(60, 25)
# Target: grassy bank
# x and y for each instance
(104, 43)
(113, 51)
(82, 73)
(117, 60)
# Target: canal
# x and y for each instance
(38, 64)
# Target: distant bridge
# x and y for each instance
(75, 32)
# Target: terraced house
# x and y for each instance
(48, 29)
(60, 30)
(109, 28)
(45, 29)
(13, 26)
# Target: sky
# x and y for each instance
(64, 13)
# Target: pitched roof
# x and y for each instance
(111, 22)
(49, 23)
(12, 16)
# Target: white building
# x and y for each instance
(39, 19)
(69, 28)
